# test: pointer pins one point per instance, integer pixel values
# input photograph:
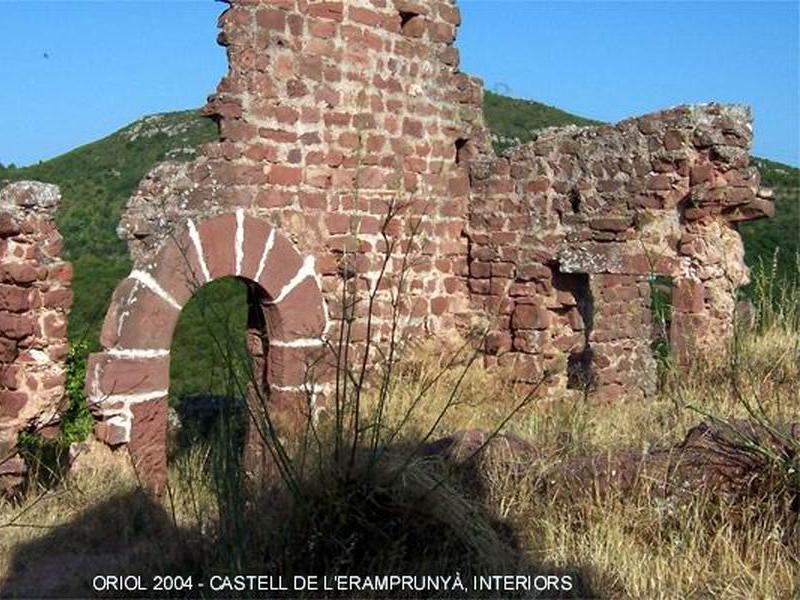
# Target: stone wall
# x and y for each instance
(35, 298)
(330, 113)
(569, 232)
(352, 146)
(332, 116)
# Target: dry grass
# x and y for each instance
(635, 546)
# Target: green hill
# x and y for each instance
(781, 234)
(96, 180)
(512, 120)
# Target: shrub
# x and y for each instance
(48, 458)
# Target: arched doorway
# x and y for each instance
(127, 383)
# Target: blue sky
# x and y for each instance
(108, 63)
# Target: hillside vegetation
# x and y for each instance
(354, 496)
(781, 234)
(512, 121)
(96, 180)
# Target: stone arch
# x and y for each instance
(127, 383)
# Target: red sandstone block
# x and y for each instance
(271, 19)
(440, 305)
(611, 223)
(317, 177)
(412, 128)
(498, 342)
(21, 273)
(365, 16)
(349, 140)
(218, 239)
(255, 235)
(14, 299)
(371, 178)
(333, 119)
(442, 32)
(326, 10)
(109, 375)
(11, 403)
(9, 376)
(54, 380)
(274, 198)
(689, 296)
(702, 174)
(149, 442)
(138, 318)
(575, 320)
(337, 223)
(282, 175)
(414, 27)
(178, 269)
(295, 22)
(237, 130)
(8, 225)
(300, 315)
(311, 68)
(8, 350)
(528, 316)
(480, 270)
(287, 115)
(637, 264)
(450, 14)
(57, 352)
(110, 433)
(530, 341)
(54, 325)
(659, 182)
(314, 200)
(281, 266)
(289, 366)
(321, 29)
(262, 152)
(533, 271)
(505, 270)
(277, 135)
(673, 140)
(16, 326)
(61, 271)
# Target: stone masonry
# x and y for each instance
(35, 298)
(351, 145)
(568, 232)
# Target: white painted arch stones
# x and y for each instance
(127, 383)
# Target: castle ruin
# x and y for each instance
(334, 116)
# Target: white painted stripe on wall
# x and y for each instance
(151, 284)
(305, 271)
(198, 247)
(137, 353)
(267, 247)
(129, 398)
(301, 343)
(239, 240)
(314, 389)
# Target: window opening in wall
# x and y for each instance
(406, 17)
(463, 151)
(411, 24)
(575, 201)
(579, 361)
(661, 314)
